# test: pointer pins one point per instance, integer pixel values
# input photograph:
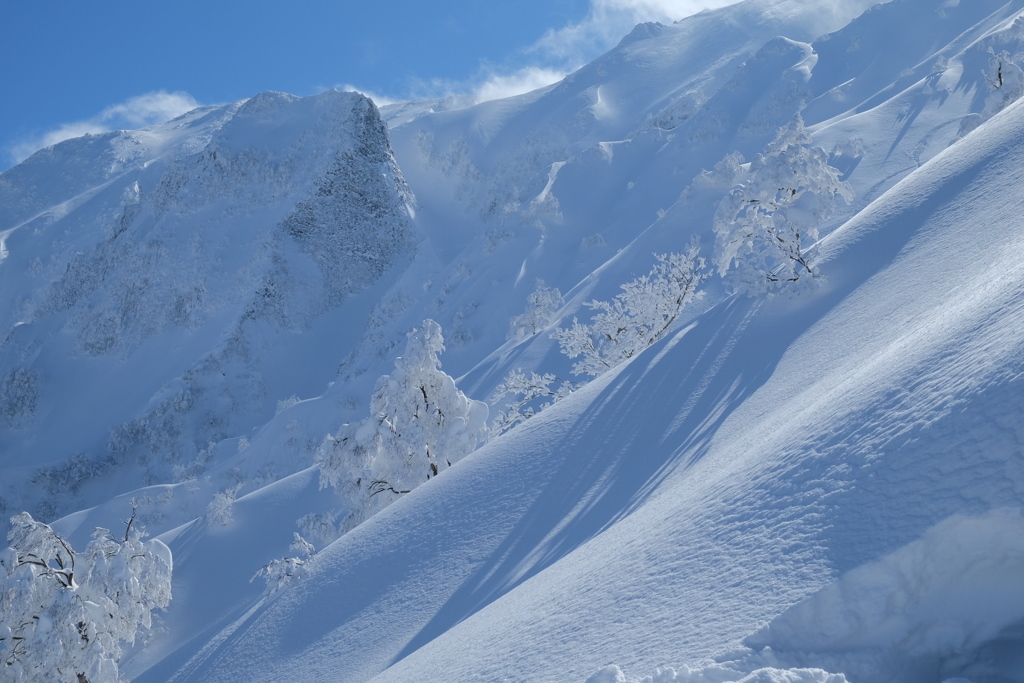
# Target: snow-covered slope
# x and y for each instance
(832, 480)
(578, 184)
(666, 512)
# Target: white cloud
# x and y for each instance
(149, 109)
(136, 112)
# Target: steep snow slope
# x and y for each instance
(671, 508)
(545, 186)
(177, 282)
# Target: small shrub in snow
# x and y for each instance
(218, 512)
(302, 546)
(766, 225)
(641, 315)
(286, 403)
(525, 396)
(419, 425)
(64, 614)
(461, 333)
(321, 527)
(1006, 81)
(188, 472)
(280, 572)
(541, 306)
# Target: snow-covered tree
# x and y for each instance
(1006, 81)
(420, 424)
(541, 306)
(1005, 85)
(766, 225)
(64, 614)
(641, 315)
(320, 527)
(279, 572)
(218, 512)
(525, 395)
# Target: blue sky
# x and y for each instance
(71, 67)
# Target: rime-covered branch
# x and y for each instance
(638, 317)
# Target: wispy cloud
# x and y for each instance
(499, 85)
(378, 99)
(136, 112)
(607, 21)
(561, 51)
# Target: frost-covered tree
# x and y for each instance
(641, 315)
(420, 424)
(541, 306)
(320, 527)
(766, 225)
(1006, 81)
(1005, 85)
(279, 572)
(64, 614)
(525, 395)
(218, 512)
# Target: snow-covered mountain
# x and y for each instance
(165, 288)
(821, 486)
